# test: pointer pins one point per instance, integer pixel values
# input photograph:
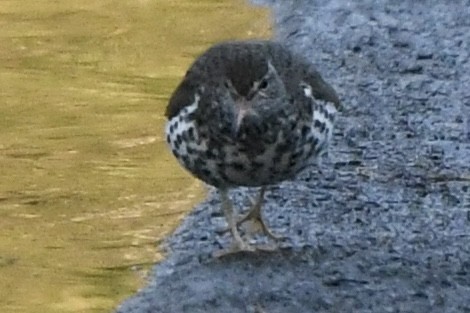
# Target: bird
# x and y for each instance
(249, 113)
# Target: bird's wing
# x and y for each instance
(320, 89)
(183, 96)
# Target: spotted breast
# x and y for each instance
(250, 113)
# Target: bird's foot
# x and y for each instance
(245, 247)
(235, 247)
(239, 245)
(255, 216)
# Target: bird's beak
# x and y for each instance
(239, 116)
(242, 110)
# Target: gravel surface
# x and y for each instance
(385, 225)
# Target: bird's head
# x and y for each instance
(258, 99)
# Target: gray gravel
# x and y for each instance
(385, 225)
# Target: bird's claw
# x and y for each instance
(234, 248)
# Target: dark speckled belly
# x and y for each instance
(268, 156)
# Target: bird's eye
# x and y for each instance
(263, 84)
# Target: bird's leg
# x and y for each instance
(240, 244)
(255, 213)
(228, 212)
